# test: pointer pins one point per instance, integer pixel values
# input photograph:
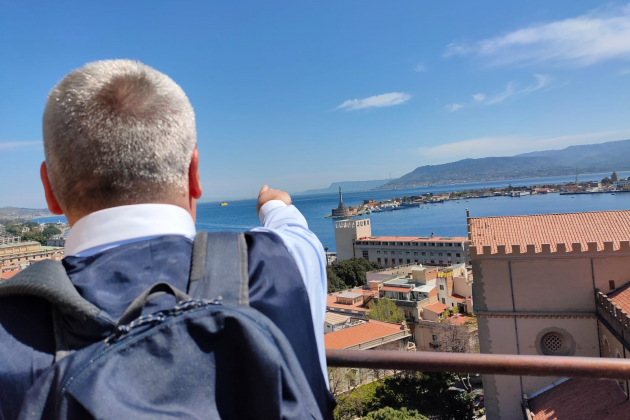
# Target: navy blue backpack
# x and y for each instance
(210, 356)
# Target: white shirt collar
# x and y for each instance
(125, 224)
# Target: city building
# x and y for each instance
(56, 241)
(2, 229)
(353, 302)
(614, 177)
(354, 238)
(9, 239)
(19, 255)
(554, 284)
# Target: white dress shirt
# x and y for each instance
(109, 228)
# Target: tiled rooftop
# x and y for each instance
(8, 274)
(591, 399)
(363, 333)
(436, 307)
(621, 297)
(416, 239)
(458, 298)
(567, 228)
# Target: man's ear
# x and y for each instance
(53, 205)
(194, 185)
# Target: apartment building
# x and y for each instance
(555, 284)
(9, 239)
(19, 255)
(354, 239)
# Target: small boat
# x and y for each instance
(223, 204)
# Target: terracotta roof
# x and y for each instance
(458, 298)
(334, 319)
(591, 399)
(621, 297)
(8, 274)
(436, 307)
(396, 289)
(331, 299)
(352, 336)
(567, 228)
(416, 239)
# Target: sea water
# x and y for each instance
(443, 219)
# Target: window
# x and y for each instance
(448, 254)
(366, 255)
(457, 255)
(452, 304)
(408, 261)
(432, 244)
(424, 253)
(552, 343)
(386, 261)
(439, 254)
(611, 283)
(432, 261)
(440, 244)
(443, 301)
(407, 252)
(415, 254)
(434, 337)
(378, 260)
(441, 287)
(379, 252)
(416, 261)
(400, 261)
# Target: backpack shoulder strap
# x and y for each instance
(219, 268)
(47, 279)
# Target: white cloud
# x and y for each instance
(479, 97)
(624, 72)
(13, 145)
(421, 68)
(513, 145)
(581, 41)
(511, 90)
(454, 107)
(378, 101)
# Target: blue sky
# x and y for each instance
(298, 94)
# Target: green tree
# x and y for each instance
(389, 413)
(352, 272)
(385, 310)
(334, 282)
(34, 236)
(50, 230)
(606, 181)
(429, 393)
(14, 229)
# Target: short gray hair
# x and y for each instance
(117, 132)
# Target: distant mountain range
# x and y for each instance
(346, 186)
(591, 158)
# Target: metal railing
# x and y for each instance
(495, 364)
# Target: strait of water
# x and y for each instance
(445, 219)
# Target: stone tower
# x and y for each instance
(341, 206)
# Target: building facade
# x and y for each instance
(20, 255)
(354, 238)
(541, 285)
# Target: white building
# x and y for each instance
(353, 239)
